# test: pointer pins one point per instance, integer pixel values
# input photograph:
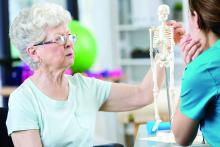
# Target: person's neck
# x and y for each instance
(48, 76)
(52, 83)
(211, 39)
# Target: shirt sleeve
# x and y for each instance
(21, 115)
(98, 89)
(198, 87)
(102, 91)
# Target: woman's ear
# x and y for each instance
(32, 52)
(195, 19)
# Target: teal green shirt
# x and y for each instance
(60, 123)
(200, 93)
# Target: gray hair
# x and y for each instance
(29, 27)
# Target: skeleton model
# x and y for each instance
(162, 54)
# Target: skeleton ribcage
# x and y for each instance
(165, 37)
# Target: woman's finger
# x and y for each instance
(186, 40)
(178, 34)
(178, 30)
(183, 42)
(188, 59)
(189, 46)
(193, 50)
(198, 51)
(174, 24)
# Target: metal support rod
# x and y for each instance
(168, 93)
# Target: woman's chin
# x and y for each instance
(69, 64)
(70, 59)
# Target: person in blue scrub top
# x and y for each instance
(51, 109)
(199, 105)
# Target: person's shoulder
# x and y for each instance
(205, 60)
(210, 55)
(196, 66)
(22, 88)
(208, 59)
(79, 78)
(195, 69)
(201, 67)
(21, 93)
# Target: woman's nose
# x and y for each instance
(68, 44)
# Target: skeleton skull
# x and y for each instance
(163, 12)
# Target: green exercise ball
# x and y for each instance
(85, 49)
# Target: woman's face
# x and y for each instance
(195, 32)
(57, 54)
(193, 27)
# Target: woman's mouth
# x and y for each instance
(70, 55)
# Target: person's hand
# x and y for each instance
(178, 30)
(190, 48)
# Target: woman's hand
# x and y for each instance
(178, 30)
(190, 48)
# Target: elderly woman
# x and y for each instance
(51, 109)
(200, 94)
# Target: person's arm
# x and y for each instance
(190, 48)
(184, 128)
(125, 97)
(185, 134)
(178, 30)
(29, 138)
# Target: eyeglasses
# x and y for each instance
(61, 40)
